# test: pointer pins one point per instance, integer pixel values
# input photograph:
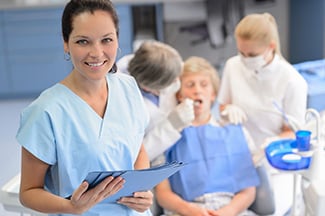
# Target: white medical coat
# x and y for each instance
(160, 134)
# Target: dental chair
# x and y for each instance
(264, 203)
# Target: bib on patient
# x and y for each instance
(217, 158)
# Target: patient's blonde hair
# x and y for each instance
(200, 65)
(261, 28)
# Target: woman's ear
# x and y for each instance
(272, 44)
(65, 47)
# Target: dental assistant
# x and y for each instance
(258, 78)
(93, 120)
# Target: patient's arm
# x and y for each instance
(240, 202)
(171, 201)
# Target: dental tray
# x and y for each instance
(282, 154)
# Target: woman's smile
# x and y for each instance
(95, 64)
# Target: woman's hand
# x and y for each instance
(82, 200)
(141, 201)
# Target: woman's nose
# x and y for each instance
(96, 50)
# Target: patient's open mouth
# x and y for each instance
(197, 102)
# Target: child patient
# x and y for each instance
(220, 178)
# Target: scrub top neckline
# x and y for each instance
(80, 100)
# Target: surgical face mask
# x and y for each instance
(254, 63)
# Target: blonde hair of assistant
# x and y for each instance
(260, 28)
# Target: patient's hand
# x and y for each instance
(197, 211)
(224, 211)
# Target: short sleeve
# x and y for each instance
(36, 135)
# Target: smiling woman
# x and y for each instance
(92, 47)
(93, 120)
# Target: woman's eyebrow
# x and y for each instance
(86, 37)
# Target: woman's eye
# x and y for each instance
(249, 54)
(82, 42)
(107, 40)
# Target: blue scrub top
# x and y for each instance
(63, 131)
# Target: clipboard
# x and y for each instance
(135, 180)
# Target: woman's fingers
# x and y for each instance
(140, 201)
(113, 186)
(79, 192)
(107, 187)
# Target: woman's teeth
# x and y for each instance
(95, 64)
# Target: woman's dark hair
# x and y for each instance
(75, 7)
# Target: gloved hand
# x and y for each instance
(183, 114)
(234, 114)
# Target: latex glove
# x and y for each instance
(183, 114)
(234, 114)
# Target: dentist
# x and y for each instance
(156, 67)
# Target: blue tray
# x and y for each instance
(276, 152)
